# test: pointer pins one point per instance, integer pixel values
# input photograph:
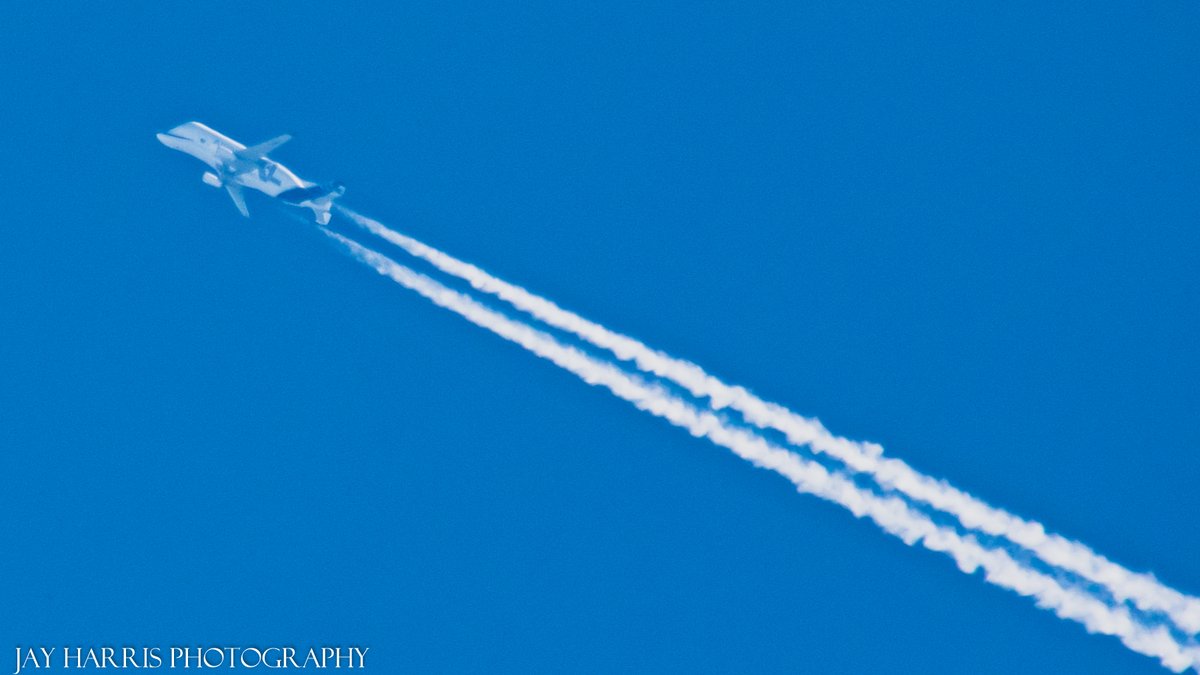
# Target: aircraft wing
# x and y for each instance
(235, 193)
(255, 151)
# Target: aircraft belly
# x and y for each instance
(270, 183)
(201, 153)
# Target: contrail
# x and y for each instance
(1143, 590)
(891, 514)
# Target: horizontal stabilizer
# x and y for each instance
(255, 151)
(235, 193)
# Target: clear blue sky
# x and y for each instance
(967, 232)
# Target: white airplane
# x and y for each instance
(235, 166)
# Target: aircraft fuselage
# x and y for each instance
(234, 166)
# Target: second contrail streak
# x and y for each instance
(891, 514)
(1143, 590)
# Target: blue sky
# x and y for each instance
(967, 233)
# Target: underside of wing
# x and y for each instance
(235, 193)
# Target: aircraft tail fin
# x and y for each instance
(255, 151)
(322, 205)
(235, 193)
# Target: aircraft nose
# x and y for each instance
(171, 141)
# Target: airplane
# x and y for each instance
(235, 166)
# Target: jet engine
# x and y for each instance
(210, 178)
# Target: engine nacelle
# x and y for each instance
(210, 178)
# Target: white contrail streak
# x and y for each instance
(1143, 590)
(891, 514)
